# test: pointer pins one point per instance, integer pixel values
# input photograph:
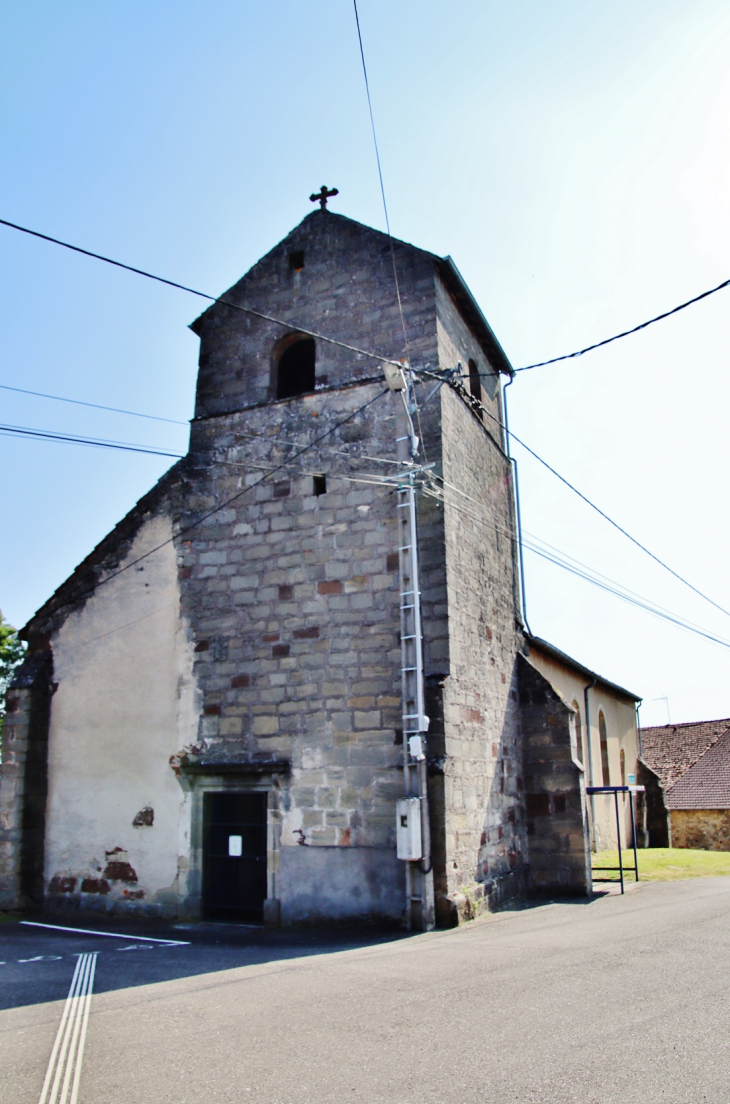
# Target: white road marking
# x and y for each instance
(136, 947)
(64, 1066)
(42, 958)
(108, 935)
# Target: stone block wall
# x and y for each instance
(557, 826)
(345, 290)
(485, 840)
(701, 829)
(457, 344)
(293, 601)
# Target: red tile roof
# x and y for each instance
(670, 750)
(706, 785)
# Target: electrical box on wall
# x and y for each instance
(416, 748)
(408, 829)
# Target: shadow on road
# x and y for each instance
(36, 963)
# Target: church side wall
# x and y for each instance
(484, 819)
(620, 717)
(116, 834)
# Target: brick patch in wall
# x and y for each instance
(331, 587)
(60, 884)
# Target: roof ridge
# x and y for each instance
(685, 724)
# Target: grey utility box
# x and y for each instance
(408, 829)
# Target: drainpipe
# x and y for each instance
(590, 759)
(639, 800)
(521, 603)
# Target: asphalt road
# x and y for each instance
(617, 1000)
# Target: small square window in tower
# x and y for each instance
(295, 368)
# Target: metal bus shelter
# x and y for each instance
(616, 790)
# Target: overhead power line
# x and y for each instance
(478, 511)
(461, 390)
(162, 609)
(239, 494)
(100, 442)
(332, 340)
(380, 177)
(201, 294)
(625, 333)
(384, 360)
(75, 439)
(95, 442)
(649, 607)
(95, 406)
(571, 565)
(616, 525)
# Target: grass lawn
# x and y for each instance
(667, 864)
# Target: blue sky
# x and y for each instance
(572, 158)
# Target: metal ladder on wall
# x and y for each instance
(419, 889)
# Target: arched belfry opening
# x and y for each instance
(294, 358)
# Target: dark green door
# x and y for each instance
(234, 856)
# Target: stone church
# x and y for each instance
(209, 721)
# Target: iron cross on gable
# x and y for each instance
(323, 195)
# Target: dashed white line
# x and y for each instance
(64, 1066)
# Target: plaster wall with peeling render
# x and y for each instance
(123, 705)
(617, 763)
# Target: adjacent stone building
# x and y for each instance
(691, 803)
(209, 720)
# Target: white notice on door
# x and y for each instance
(235, 846)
